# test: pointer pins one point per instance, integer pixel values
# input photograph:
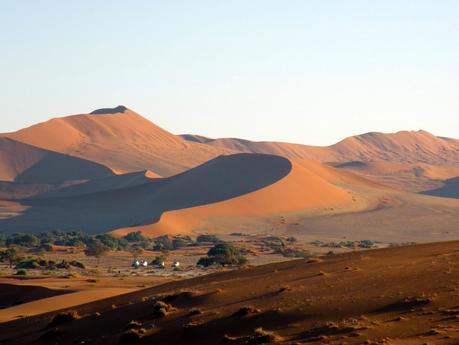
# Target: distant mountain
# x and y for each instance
(120, 139)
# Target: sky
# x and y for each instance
(306, 71)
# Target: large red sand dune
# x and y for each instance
(413, 161)
(120, 139)
(401, 147)
(308, 186)
(234, 185)
(24, 163)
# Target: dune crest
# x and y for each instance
(308, 185)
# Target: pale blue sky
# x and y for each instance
(302, 71)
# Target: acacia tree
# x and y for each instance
(97, 249)
(12, 255)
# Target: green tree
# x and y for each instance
(12, 255)
(97, 249)
(223, 254)
(135, 236)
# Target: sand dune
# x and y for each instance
(319, 301)
(120, 139)
(413, 177)
(242, 184)
(308, 186)
(13, 295)
(400, 147)
(413, 161)
(28, 164)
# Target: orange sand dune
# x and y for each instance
(120, 139)
(402, 147)
(309, 185)
(411, 161)
(241, 184)
(405, 295)
(413, 177)
(24, 163)
(69, 300)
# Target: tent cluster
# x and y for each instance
(162, 264)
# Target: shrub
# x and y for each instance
(21, 272)
(161, 309)
(63, 317)
(223, 254)
(12, 255)
(112, 242)
(47, 247)
(295, 253)
(77, 264)
(29, 263)
(95, 248)
(23, 240)
(207, 238)
(263, 337)
(135, 236)
(163, 243)
(244, 311)
(179, 243)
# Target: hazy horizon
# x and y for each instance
(306, 72)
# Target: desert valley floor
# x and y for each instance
(113, 171)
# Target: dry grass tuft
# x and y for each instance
(244, 311)
(195, 311)
(63, 317)
(263, 337)
(161, 309)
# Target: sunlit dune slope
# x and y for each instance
(120, 139)
(413, 161)
(241, 184)
(401, 147)
(308, 185)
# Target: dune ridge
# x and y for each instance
(120, 139)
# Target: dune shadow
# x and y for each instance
(220, 179)
(449, 190)
(58, 168)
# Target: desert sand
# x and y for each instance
(119, 139)
(405, 295)
(413, 161)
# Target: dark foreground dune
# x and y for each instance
(404, 295)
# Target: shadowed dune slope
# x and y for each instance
(120, 139)
(28, 164)
(309, 185)
(217, 180)
(11, 295)
(405, 295)
(450, 189)
(241, 184)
